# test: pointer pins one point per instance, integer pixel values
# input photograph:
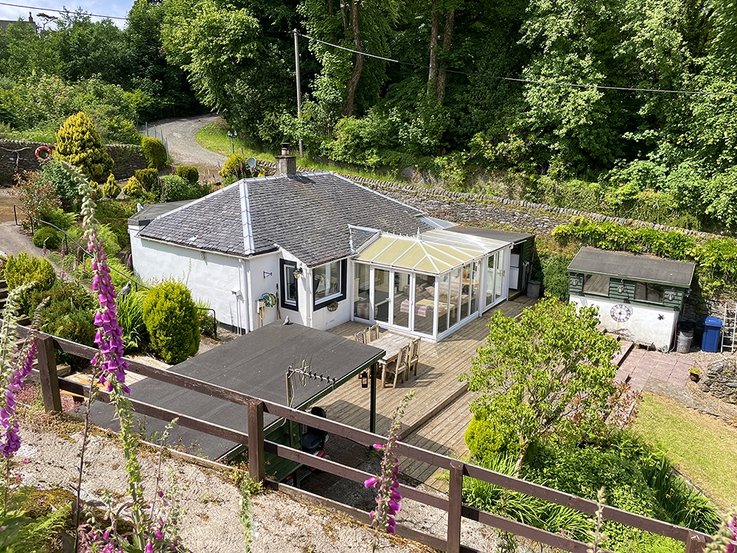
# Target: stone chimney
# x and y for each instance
(286, 163)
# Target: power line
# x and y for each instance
(62, 11)
(522, 80)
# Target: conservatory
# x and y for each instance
(429, 285)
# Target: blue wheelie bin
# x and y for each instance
(712, 332)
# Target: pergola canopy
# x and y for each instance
(434, 252)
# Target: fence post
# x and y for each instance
(256, 465)
(47, 373)
(455, 501)
(695, 543)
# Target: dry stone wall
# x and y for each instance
(494, 211)
(17, 155)
(720, 379)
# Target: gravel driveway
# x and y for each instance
(183, 148)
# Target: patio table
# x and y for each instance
(391, 344)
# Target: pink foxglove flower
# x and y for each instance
(9, 438)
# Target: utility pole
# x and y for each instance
(299, 83)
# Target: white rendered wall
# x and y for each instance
(649, 324)
(211, 277)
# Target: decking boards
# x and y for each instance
(438, 391)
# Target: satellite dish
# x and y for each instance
(251, 163)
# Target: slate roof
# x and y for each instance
(306, 214)
(643, 268)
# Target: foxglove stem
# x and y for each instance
(386, 483)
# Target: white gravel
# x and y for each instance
(211, 503)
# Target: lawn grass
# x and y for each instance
(701, 447)
(214, 137)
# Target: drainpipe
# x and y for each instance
(250, 300)
(242, 271)
(308, 296)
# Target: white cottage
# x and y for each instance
(321, 250)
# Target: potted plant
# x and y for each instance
(694, 373)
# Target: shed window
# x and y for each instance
(288, 284)
(596, 284)
(652, 293)
(329, 283)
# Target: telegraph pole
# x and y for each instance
(299, 83)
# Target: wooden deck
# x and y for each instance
(438, 415)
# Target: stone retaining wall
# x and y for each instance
(720, 379)
(471, 208)
(17, 155)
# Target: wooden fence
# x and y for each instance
(51, 384)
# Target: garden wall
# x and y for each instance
(474, 209)
(720, 379)
(16, 155)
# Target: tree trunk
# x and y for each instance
(433, 74)
(350, 101)
(447, 41)
(344, 15)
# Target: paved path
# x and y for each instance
(12, 241)
(183, 147)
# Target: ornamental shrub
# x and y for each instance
(47, 237)
(59, 218)
(23, 268)
(487, 439)
(154, 152)
(37, 196)
(133, 188)
(175, 188)
(149, 179)
(235, 168)
(171, 320)
(110, 189)
(106, 236)
(188, 173)
(555, 274)
(79, 143)
(53, 171)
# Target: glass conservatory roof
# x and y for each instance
(434, 252)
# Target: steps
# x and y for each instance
(625, 347)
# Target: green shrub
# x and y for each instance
(235, 168)
(171, 321)
(174, 189)
(149, 178)
(204, 317)
(130, 316)
(53, 171)
(110, 189)
(47, 237)
(23, 268)
(79, 143)
(59, 218)
(133, 188)
(516, 506)
(487, 439)
(154, 152)
(106, 236)
(188, 173)
(36, 195)
(555, 274)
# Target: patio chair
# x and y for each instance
(360, 337)
(400, 368)
(373, 333)
(414, 355)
